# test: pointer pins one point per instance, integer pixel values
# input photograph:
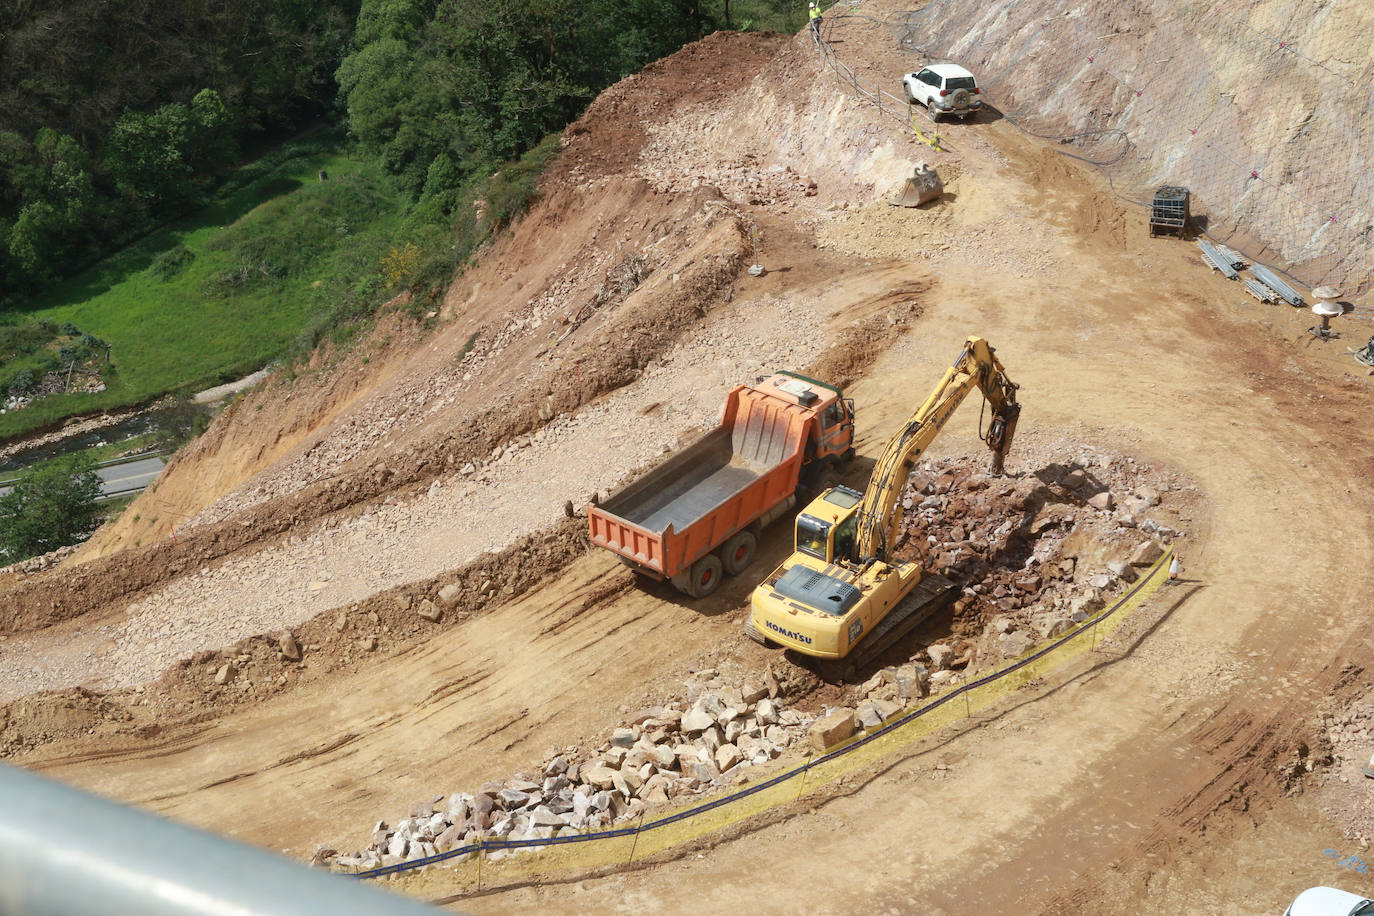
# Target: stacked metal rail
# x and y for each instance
(1271, 280)
(1216, 260)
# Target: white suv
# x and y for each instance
(1328, 901)
(944, 89)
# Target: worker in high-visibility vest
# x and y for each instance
(815, 13)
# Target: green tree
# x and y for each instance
(50, 507)
(146, 155)
(473, 83)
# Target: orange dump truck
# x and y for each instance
(697, 516)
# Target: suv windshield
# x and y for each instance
(960, 82)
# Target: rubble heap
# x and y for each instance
(686, 747)
(1035, 555)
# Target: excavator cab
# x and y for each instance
(826, 528)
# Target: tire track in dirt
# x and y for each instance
(376, 745)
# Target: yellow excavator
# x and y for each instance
(841, 597)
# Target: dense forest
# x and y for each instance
(117, 117)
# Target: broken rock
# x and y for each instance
(727, 755)
(940, 655)
(290, 649)
(1015, 644)
(831, 729)
(1147, 553)
(697, 720)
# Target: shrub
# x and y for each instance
(23, 381)
(171, 262)
(49, 507)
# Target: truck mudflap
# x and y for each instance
(931, 595)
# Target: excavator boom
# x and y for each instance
(976, 367)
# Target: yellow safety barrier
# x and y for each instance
(932, 141)
(503, 861)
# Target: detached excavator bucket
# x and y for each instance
(924, 185)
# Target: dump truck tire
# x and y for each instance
(738, 552)
(705, 576)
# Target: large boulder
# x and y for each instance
(727, 756)
(697, 720)
(830, 729)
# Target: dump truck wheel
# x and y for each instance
(739, 552)
(706, 576)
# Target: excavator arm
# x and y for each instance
(976, 367)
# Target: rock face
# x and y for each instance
(1319, 173)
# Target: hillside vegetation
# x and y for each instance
(115, 117)
(129, 218)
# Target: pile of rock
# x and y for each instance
(40, 563)
(661, 753)
(1035, 555)
(686, 747)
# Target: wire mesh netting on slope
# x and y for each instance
(1260, 108)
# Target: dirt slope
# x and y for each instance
(1133, 782)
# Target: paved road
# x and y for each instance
(120, 479)
(130, 477)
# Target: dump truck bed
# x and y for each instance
(701, 495)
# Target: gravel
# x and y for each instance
(459, 517)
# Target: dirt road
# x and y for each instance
(1157, 780)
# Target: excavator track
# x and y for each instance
(931, 595)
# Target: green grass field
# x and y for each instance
(256, 276)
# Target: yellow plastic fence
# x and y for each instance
(502, 862)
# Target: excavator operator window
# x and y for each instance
(844, 536)
(812, 534)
